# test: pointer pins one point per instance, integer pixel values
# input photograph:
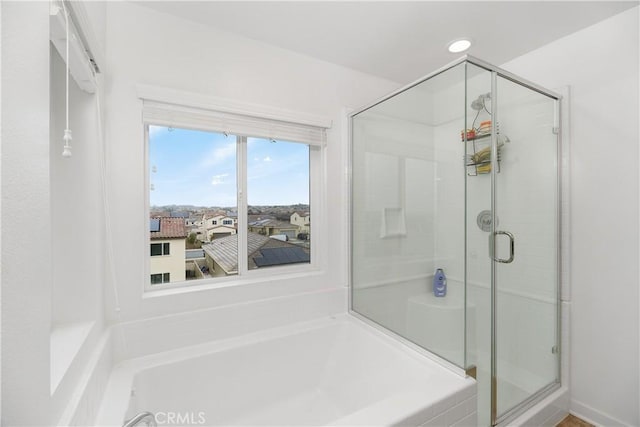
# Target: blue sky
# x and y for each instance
(190, 167)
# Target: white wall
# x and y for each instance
(600, 64)
(144, 46)
(26, 219)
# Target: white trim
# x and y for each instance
(592, 415)
(86, 32)
(318, 228)
(146, 270)
(78, 61)
(207, 102)
(178, 116)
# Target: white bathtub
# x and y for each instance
(333, 371)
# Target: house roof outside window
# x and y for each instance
(262, 251)
(168, 228)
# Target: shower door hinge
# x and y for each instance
(554, 349)
(555, 130)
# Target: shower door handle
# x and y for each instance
(492, 247)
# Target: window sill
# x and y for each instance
(181, 288)
(66, 341)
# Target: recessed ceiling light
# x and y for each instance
(459, 45)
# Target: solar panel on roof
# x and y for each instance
(154, 225)
(279, 256)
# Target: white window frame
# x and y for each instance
(176, 109)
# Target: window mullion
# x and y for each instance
(317, 203)
(242, 204)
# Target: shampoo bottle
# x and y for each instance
(439, 283)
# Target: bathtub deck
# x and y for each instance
(331, 371)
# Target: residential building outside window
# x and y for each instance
(165, 232)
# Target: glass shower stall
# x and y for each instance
(455, 225)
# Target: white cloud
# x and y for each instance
(222, 153)
(219, 179)
(157, 130)
(266, 159)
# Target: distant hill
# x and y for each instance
(182, 210)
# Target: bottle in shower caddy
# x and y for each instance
(439, 283)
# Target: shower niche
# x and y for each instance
(459, 171)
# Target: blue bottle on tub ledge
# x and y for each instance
(439, 283)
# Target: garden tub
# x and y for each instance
(331, 371)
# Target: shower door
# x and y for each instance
(523, 246)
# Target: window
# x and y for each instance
(258, 184)
(159, 278)
(158, 249)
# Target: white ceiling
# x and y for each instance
(397, 40)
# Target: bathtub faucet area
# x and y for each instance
(143, 418)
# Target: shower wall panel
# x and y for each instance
(407, 204)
